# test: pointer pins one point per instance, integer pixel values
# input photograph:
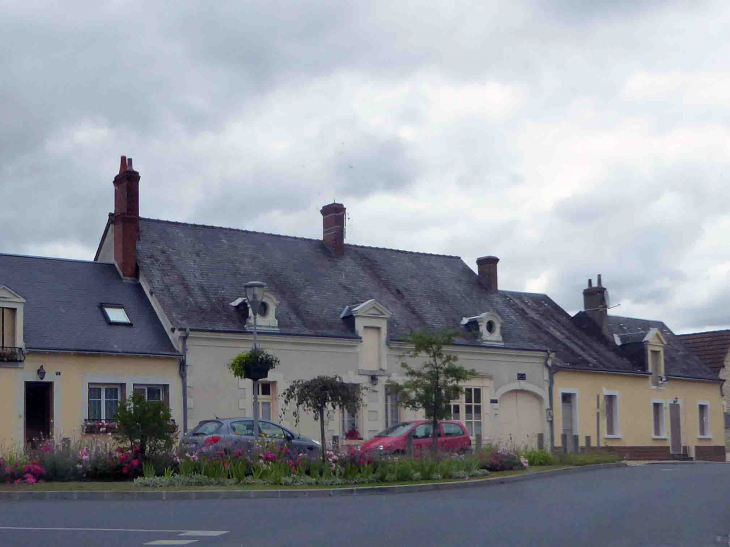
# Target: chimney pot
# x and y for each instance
(590, 283)
(487, 268)
(123, 165)
(333, 227)
(599, 281)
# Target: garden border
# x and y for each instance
(167, 495)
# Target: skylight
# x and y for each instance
(115, 314)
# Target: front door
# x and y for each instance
(567, 410)
(38, 411)
(675, 429)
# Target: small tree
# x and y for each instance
(320, 394)
(433, 386)
(147, 424)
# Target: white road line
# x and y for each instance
(171, 542)
(203, 533)
(181, 532)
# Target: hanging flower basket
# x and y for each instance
(253, 365)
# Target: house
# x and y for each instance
(713, 348)
(659, 402)
(75, 339)
(336, 308)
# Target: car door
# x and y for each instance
(273, 432)
(242, 432)
(452, 437)
(422, 435)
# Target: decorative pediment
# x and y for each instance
(654, 336)
(267, 311)
(8, 295)
(370, 308)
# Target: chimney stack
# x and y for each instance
(488, 272)
(126, 218)
(333, 228)
(595, 306)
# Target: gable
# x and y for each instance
(8, 295)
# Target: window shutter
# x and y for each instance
(166, 394)
(727, 420)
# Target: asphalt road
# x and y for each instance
(659, 505)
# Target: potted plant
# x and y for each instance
(254, 364)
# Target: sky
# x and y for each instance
(568, 138)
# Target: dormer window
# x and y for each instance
(490, 327)
(267, 311)
(115, 314)
(11, 326)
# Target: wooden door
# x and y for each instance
(675, 429)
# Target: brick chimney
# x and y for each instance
(595, 306)
(126, 218)
(488, 272)
(333, 228)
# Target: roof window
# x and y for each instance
(115, 314)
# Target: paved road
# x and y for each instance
(659, 505)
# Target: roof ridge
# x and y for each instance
(705, 332)
(14, 255)
(286, 236)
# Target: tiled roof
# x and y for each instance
(197, 271)
(62, 307)
(712, 347)
(678, 359)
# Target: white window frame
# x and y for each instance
(267, 399)
(664, 435)
(708, 435)
(574, 392)
(145, 387)
(103, 388)
(391, 408)
(461, 404)
(616, 415)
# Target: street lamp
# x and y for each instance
(254, 296)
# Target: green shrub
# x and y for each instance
(145, 424)
(591, 458)
(539, 457)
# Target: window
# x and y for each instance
(658, 411)
(392, 412)
(244, 427)
(350, 425)
(704, 416)
(612, 429)
(266, 400)
(371, 348)
(656, 366)
(423, 431)
(207, 428)
(7, 328)
(153, 393)
(115, 314)
(473, 410)
(103, 402)
(452, 430)
(271, 431)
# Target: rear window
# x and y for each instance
(452, 430)
(207, 428)
(397, 430)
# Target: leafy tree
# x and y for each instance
(147, 424)
(433, 386)
(320, 394)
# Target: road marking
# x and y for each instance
(171, 542)
(181, 532)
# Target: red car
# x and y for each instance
(451, 437)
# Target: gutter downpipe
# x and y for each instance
(184, 375)
(551, 372)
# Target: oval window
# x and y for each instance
(490, 326)
(263, 309)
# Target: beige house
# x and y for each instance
(75, 340)
(336, 308)
(659, 402)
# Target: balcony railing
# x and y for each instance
(11, 355)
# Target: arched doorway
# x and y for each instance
(520, 418)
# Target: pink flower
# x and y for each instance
(135, 463)
(26, 469)
(238, 453)
(125, 469)
(30, 479)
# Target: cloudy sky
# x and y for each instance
(566, 137)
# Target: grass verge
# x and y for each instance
(129, 486)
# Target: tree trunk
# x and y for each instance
(323, 447)
(435, 415)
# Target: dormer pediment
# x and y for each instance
(654, 336)
(8, 295)
(370, 308)
(490, 326)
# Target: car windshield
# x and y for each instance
(207, 428)
(397, 430)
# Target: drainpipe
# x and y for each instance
(551, 372)
(184, 376)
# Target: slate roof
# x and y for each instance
(62, 307)
(678, 359)
(712, 347)
(196, 271)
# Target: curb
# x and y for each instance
(299, 493)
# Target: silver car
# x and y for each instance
(238, 432)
